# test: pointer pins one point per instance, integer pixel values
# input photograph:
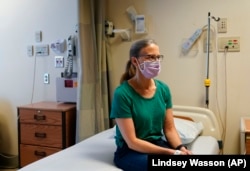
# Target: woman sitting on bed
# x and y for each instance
(142, 108)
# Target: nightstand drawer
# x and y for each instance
(30, 153)
(40, 117)
(43, 135)
(43, 129)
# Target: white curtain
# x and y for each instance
(93, 63)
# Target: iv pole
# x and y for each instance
(207, 80)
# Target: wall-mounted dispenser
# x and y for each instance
(58, 46)
(131, 13)
(140, 26)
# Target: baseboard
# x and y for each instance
(8, 161)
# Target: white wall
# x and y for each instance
(172, 21)
(19, 21)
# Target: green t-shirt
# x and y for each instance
(147, 113)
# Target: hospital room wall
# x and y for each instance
(22, 75)
(170, 22)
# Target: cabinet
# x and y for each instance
(245, 135)
(44, 128)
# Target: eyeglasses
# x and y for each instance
(152, 58)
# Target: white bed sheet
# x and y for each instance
(96, 153)
(204, 145)
(93, 154)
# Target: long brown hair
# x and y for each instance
(134, 52)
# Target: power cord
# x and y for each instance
(225, 57)
(226, 49)
(224, 126)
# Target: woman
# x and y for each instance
(142, 108)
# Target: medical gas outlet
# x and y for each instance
(59, 61)
(228, 44)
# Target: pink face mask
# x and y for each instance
(150, 69)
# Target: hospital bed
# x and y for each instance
(96, 153)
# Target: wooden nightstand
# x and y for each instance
(245, 135)
(44, 128)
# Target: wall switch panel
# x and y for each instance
(38, 36)
(222, 25)
(228, 44)
(30, 50)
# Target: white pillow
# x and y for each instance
(187, 130)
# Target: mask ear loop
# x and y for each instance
(140, 64)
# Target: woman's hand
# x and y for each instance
(185, 151)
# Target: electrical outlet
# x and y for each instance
(46, 78)
(222, 25)
(229, 44)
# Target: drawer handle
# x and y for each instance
(39, 117)
(40, 153)
(40, 135)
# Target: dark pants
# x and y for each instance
(130, 160)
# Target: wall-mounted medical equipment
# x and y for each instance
(59, 61)
(229, 44)
(207, 81)
(110, 31)
(71, 53)
(124, 33)
(58, 46)
(138, 20)
(186, 46)
(66, 85)
(66, 89)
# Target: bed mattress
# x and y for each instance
(96, 153)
